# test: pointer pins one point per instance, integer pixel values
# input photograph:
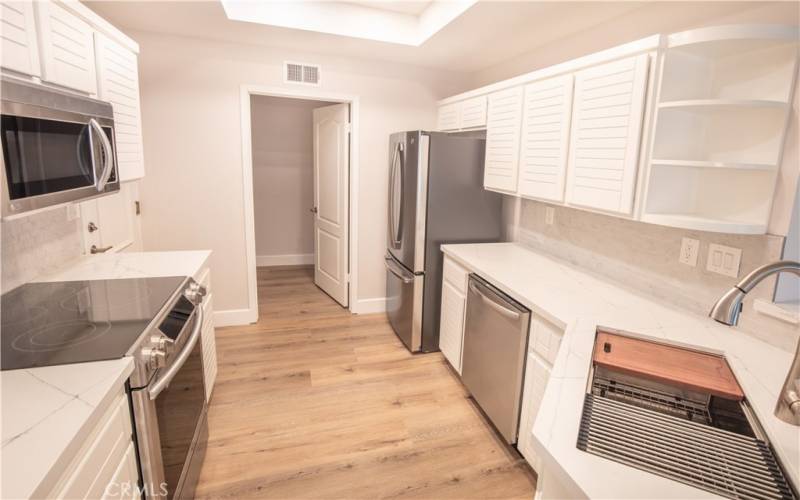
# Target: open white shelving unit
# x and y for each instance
(722, 110)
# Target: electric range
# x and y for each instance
(156, 321)
(44, 324)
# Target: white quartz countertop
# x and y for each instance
(47, 413)
(580, 301)
(131, 265)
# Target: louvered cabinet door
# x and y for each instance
(118, 80)
(67, 48)
(473, 112)
(448, 117)
(503, 122)
(606, 132)
(19, 48)
(544, 145)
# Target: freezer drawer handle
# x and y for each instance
(514, 315)
(392, 267)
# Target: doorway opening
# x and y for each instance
(299, 176)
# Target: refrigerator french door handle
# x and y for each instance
(390, 212)
(396, 222)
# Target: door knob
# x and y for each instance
(92, 227)
(96, 249)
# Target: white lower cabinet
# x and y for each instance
(454, 305)
(537, 373)
(544, 340)
(105, 466)
(208, 334)
(451, 327)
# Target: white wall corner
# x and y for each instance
(369, 306)
(301, 259)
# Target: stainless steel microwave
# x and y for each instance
(57, 147)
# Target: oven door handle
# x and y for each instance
(167, 377)
(107, 153)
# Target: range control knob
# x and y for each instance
(162, 343)
(197, 288)
(155, 358)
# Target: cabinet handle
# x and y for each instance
(95, 249)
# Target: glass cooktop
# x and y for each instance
(44, 324)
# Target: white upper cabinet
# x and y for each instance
(466, 114)
(18, 43)
(118, 83)
(473, 113)
(447, 117)
(606, 133)
(545, 138)
(67, 48)
(503, 122)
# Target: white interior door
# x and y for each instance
(331, 189)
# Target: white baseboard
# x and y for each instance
(235, 317)
(369, 306)
(298, 259)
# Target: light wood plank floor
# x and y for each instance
(313, 402)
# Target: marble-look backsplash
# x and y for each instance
(37, 244)
(644, 257)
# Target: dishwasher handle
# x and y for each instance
(489, 301)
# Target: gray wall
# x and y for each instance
(283, 175)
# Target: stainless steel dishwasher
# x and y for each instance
(493, 361)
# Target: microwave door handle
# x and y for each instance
(167, 377)
(107, 154)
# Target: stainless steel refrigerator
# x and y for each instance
(436, 196)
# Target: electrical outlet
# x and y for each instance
(724, 260)
(549, 215)
(690, 248)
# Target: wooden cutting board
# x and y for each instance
(669, 364)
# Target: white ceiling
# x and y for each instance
(488, 33)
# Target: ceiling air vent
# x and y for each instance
(307, 74)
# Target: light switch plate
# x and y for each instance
(724, 260)
(549, 215)
(690, 248)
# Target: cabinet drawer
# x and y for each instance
(545, 339)
(455, 275)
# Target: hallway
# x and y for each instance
(313, 402)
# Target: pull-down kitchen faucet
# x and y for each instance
(727, 310)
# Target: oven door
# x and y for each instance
(171, 422)
(52, 156)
